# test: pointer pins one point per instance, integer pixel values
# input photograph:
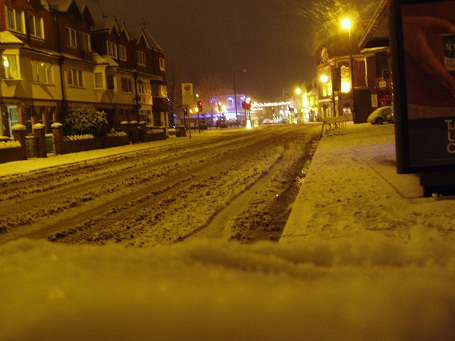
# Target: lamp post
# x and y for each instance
(235, 94)
(346, 24)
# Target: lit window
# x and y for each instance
(42, 73)
(162, 65)
(163, 91)
(141, 58)
(71, 36)
(75, 78)
(345, 79)
(122, 52)
(35, 25)
(15, 20)
(111, 49)
(11, 66)
(99, 84)
(85, 41)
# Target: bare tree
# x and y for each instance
(324, 17)
(174, 88)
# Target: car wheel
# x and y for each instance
(379, 120)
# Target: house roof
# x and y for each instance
(377, 30)
(152, 41)
(61, 5)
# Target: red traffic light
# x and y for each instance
(199, 105)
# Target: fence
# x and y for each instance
(39, 144)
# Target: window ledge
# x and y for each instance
(13, 80)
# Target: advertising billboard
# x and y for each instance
(423, 46)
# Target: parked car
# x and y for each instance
(267, 121)
(381, 115)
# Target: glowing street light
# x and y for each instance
(347, 24)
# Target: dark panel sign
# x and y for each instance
(423, 46)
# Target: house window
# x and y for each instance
(35, 25)
(162, 65)
(141, 58)
(110, 81)
(98, 80)
(159, 91)
(42, 73)
(163, 91)
(122, 52)
(111, 49)
(15, 20)
(71, 36)
(147, 88)
(85, 41)
(140, 86)
(126, 85)
(11, 66)
(75, 77)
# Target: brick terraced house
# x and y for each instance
(55, 55)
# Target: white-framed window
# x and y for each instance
(85, 41)
(162, 65)
(75, 78)
(42, 73)
(71, 36)
(140, 86)
(143, 87)
(15, 20)
(141, 57)
(11, 66)
(99, 80)
(35, 25)
(126, 85)
(147, 89)
(111, 49)
(122, 52)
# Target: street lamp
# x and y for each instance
(235, 94)
(347, 24)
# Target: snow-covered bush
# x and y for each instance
(9, 144)
(81, 121)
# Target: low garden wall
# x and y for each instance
(39, 144)
(9, 150)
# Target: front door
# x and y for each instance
(13, 119)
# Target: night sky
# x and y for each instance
(210, 39)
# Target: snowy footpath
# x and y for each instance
(363, 257)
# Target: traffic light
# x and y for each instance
(185, 112)
(243, 104)
(199, 106)
(248, 103)
(220, 106)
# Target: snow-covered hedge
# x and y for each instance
(10, 144)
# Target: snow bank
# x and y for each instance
(356, 288)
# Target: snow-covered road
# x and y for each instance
(166, 193)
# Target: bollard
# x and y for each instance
(39, 132)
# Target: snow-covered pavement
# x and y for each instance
(363, 257)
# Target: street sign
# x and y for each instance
(187, 93)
